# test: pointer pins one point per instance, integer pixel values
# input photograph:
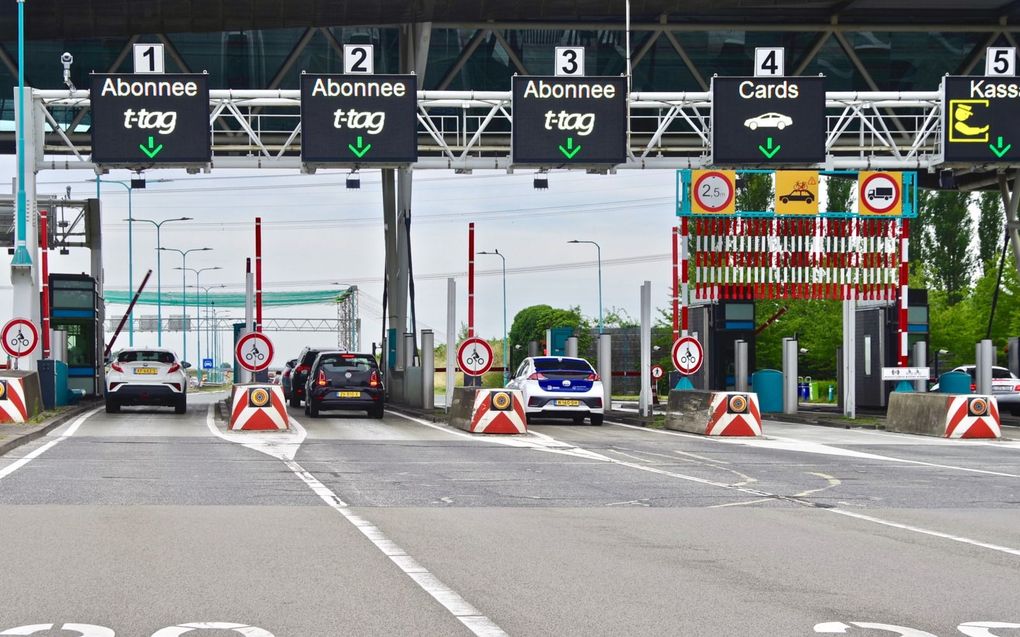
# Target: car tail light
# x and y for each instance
(373, 380)
(303, 369)
(321, 381)
(347, 356)
(117, 368)
(176, 386)
(173, 368)
(973, 387)
(537, 376)
(592, 376)
(1017, 388)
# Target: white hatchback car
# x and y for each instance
(146, 376)
(560, 387)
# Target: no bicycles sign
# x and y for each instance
(254, 352)
(474, 356)
(688, 355)
(20, 337)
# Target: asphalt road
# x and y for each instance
(144, 520)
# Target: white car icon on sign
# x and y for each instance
(769, 120)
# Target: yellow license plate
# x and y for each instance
(145, 370)
(568, 403)
(348, 394)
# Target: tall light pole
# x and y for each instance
(159, 270)
(598, 250)
(506, 352)
(184, 295)
(198, 309)
(21, 256)
(207, 321)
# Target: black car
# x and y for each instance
(342, 380)
(300, 374)
(285, 380)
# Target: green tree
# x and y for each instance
(839, 194)
(755, 192)
(531, 323)
(945, 238)
(990, 229)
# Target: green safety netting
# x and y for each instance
(232, 299)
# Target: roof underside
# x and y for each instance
(77, 19)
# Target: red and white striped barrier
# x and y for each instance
(12, 401)
(258, 408)
(734, 414)
(972, 417)
(488, 411)
(714, 413)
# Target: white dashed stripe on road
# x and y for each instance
(456, 605)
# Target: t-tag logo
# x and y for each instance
(371, 123)
(583, 123)
(163, 121)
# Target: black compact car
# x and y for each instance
(300, 374)
(342, 380)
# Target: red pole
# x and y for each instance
(684, 274)
(44, 245)
(258, 274)
(471, 280)
(904, 282)
(676, 283)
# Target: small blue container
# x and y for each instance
(955, 383)
(768, 384)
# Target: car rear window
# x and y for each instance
(309, 357)
(562, 365)
(143, 356)
(999, 372)
(348, 363)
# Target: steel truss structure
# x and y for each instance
(465, 130)
(346, 326)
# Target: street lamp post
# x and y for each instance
(159, 270)
(208, 321)
(184, 295)
(598, 250)
(506, 352)
(131, 258)
(198, 309)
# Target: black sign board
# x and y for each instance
(980, 120)
(353, 120)
(144, 120)
(768, 120)
(564, 121)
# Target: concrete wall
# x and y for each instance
(462, 408)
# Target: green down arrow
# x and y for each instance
(769, 150)
(998, 148)
(152, 149)
(360, 150)
(570, 150)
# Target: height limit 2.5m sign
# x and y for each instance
(351, 120)
(143, 120)
(768, 120)
(564, 121)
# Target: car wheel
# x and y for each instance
(181, 406)
(781, 125)
(313, 410)
(596, 419)
(295, 401)
(1014, 411)
(809, 200)
(112, 406)
(376, 412)
(785, 200)
(753, 126)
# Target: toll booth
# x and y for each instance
(556, 340)
(718, 326)
(877, 344)
(75, 308)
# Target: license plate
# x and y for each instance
(568, 403)
(145, 371)
(348, 394)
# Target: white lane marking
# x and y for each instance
(764, 495)
(83, 630)
(282, 445)
(241, 629)
(456, 605)
(833, 482)
(792, 444)
(70, 431)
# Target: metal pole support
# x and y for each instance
(645, 397)
(606, 368)
(740, 365)
(451, 339)
(428, 369)
(790, 353)
(572, 347)
(984, 360)
(921, 360)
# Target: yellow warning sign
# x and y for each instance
(796, 192)
(967, 121)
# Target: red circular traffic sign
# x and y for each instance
(20, 337)
(474, 356)
(657, 372)
(713, 191)
(880, 193)
(688, 355)
(254, 352)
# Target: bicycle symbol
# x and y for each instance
(254, 354)
(20, 341)
(475, 359)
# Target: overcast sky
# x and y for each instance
(317, 232)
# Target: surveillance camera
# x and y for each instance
(66, 59)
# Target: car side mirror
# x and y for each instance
(186, 365)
